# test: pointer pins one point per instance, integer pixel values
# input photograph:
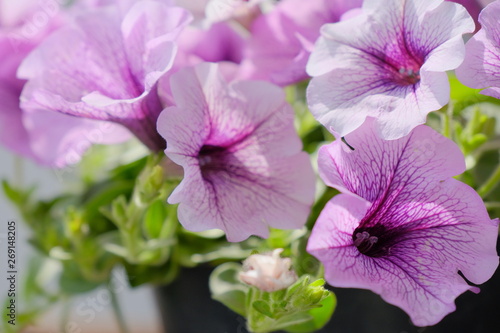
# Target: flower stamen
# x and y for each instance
(408, 76)
(364, 241)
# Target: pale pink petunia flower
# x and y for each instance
(389, 63)
(243, 167)
(481, 68)
(106, 66)
(402, 226)
(268, 271)
(282, 40)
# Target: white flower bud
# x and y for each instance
(268, 272)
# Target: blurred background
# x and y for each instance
(90, 312)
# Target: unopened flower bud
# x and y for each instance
(268, 272)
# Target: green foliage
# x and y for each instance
(227, 289)
(477, 131)
(304, 307)
(473, 122)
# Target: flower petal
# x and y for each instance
(258, 179)
(282, 40)
(69, 137)
(482, 62)
(376, 164)
(424, 226)
(106, 66)
(388, 62)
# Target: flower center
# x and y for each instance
(364, 241)
(373, 241)
(211, 158)
(407, 76)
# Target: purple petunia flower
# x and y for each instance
(106, 66)
(389, 63)
(47, 137)
(218, 43)
(481, 67)
(403, 227)
(282, 40)
(243, 167)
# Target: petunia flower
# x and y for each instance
(481, 67)
(106, 66)
(243, 167)
(47, 137)
(218, 43)
(282, 40)
(402, 226)
(217, 39)
(389, 62)
(18, 36)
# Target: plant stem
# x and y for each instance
(490, 184)
(447, 116)
(490, 205)
(118, 312)
(131, 238)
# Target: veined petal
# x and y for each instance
(375, 164)
(243, 169)
(376, 64)
(106, 66)
(482, 61)
(403, 227)
(149, 30)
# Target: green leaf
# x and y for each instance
(263, 307)
(290, 321)
(227, 289)
(320, 316)
(477, 140)
(129, 171)
(119, 211)
(154, 219)
(104, 195)
(11, 193)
